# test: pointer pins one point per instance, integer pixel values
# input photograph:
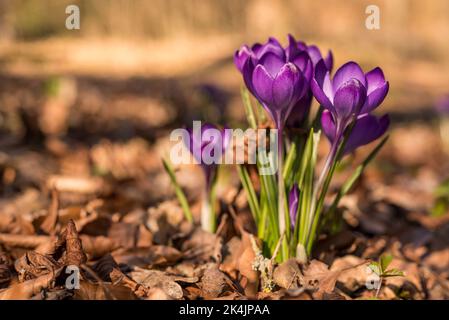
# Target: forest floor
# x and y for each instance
(82, 184)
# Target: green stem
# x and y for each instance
(330, 160)
(281, 195)
(281, 188)
(207, 212)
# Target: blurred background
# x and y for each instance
(135, 69)
(195, 39)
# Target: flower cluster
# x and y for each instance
(289, 210)
(280, 77)
(284, 80)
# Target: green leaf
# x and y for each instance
(305, 182)
(250, 116)
(261, 113)
(179, 193)
(308, 149)
(393, 273)
(375, 267)
(385, 261)
(289, 161)
(250, 192)
(269, 199)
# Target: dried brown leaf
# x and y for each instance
(25, 290)
(213, 282)
(157, 279)
(287, 274)
(23, 241)
(32, 265)
(245, 265)
(49, 224)
(105, 291)
(74, 249)
(119, 277)
(97, 247)
(5, 269)
(318, 277)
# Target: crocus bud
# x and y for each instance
(293, 202)
(203, 144)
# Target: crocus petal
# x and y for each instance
(303, 62)
(241, 56)
(349, 70)
(299, 111)
(197, 141)
(272, 63)
(377, 89)
(375, 98)
(284, 85)
(329, 60)
(292, 49)
(322, 75)
(320, 96)
(208, 139)
(349, 98)
(263, 84)
(366, 129)
(374, 80)
(272, 46)
(321, 84)
(314, 54)
(328, 125)
(247, 72)
(293, 202)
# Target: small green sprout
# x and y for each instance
(380, 268)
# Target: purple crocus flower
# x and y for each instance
(295, 47)
(293, 202)
(277, 78)
(367, 128)
(350, 93)
(301, 109)
(204, 143)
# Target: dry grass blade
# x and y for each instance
(49, 224)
